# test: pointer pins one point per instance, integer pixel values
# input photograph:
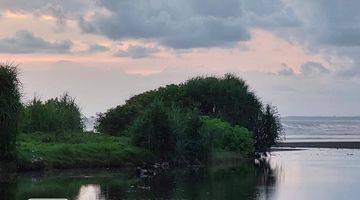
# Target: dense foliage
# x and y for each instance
(54, 115)
(76, 150)
(268, 129)
(184, 124)
(226, 137)
(227, 98)
(9, 111)
(169, 133)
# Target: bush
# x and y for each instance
(116, 120)
(228, 98)
(153, 131)
(9, 112)
(191, 146)
(172, 134)
(54, 115)
(223, 136)
(269, 129)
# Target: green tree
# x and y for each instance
(191, 146)
(228, 98)
(170, 133)
(54, 115)
(9, 112)
(269, 129)
(152, 130)
(223, 136)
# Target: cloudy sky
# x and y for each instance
(300, 55)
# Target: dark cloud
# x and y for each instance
(349, 72)
(195, 23)
(58, 12)
(136, 52)
(24, 42)
(286, 71)
(61, 10)
(327, 22)
(188, 23)
(313, 69)
(35, 6)
(97, 48)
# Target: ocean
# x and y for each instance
(309, 129)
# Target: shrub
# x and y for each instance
(228, 98)
(9, 112)
(269, 129)
(223, 136)
(191, 146)
(116, 120)
(152, 130)
(54, 115)
(172, 134)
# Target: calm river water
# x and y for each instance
(301, 174)
(297, 174)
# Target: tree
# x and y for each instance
(152, 131)
(58, 114)
(228, 98)
(268, 130)
(9, 113)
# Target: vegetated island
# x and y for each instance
(198, 122)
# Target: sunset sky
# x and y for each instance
(299, 55)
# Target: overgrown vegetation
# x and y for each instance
(228, 99)
(268, 130)
(55, 115)
(184, 124)
(9, 113)
(170, 133)
(225, 137)
(76, 150)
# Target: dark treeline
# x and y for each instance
(9, 115)
(227, 98)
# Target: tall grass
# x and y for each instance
(170, 133)
(55, 115)
(38, 151)
(270, 129)
(9, 112)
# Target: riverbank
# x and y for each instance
(41, 151)
(44, 151)
(337, 145)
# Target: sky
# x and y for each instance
(298, 55)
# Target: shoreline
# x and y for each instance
(336, 145)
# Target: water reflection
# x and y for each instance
(90, 192)
(7, 187)
(306, 174)
(222, 182)
(317, 174)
